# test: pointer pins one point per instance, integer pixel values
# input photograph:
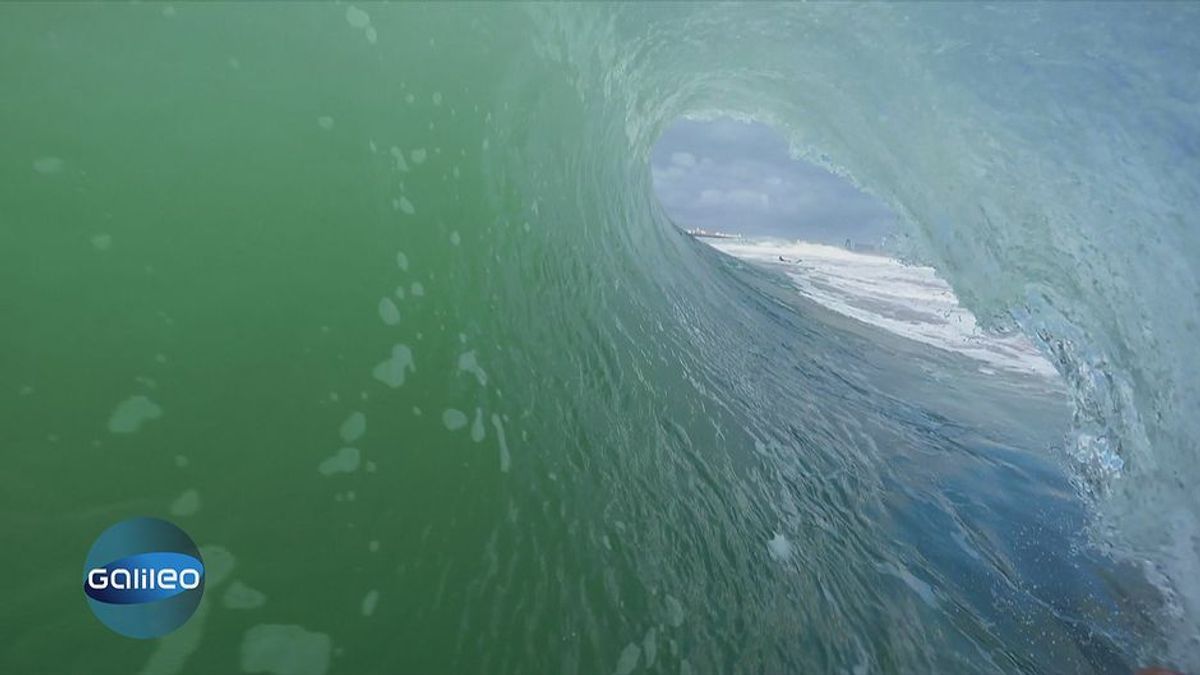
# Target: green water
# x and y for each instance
(582, 431)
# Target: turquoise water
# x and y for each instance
(377, 304)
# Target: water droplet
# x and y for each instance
(357, 18)
(454, 419)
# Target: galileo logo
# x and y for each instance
(143, 577)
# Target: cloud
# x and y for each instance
(736, 197)
(731, 175)
(685, 159)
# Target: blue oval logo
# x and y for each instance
(144, 577)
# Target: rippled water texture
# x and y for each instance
(376, 303)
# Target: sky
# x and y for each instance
(738, 177)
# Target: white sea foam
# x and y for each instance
(779, 547)
(908, 300)
(357, 18)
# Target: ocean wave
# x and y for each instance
(581, 442)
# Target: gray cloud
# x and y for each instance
(738, 177)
